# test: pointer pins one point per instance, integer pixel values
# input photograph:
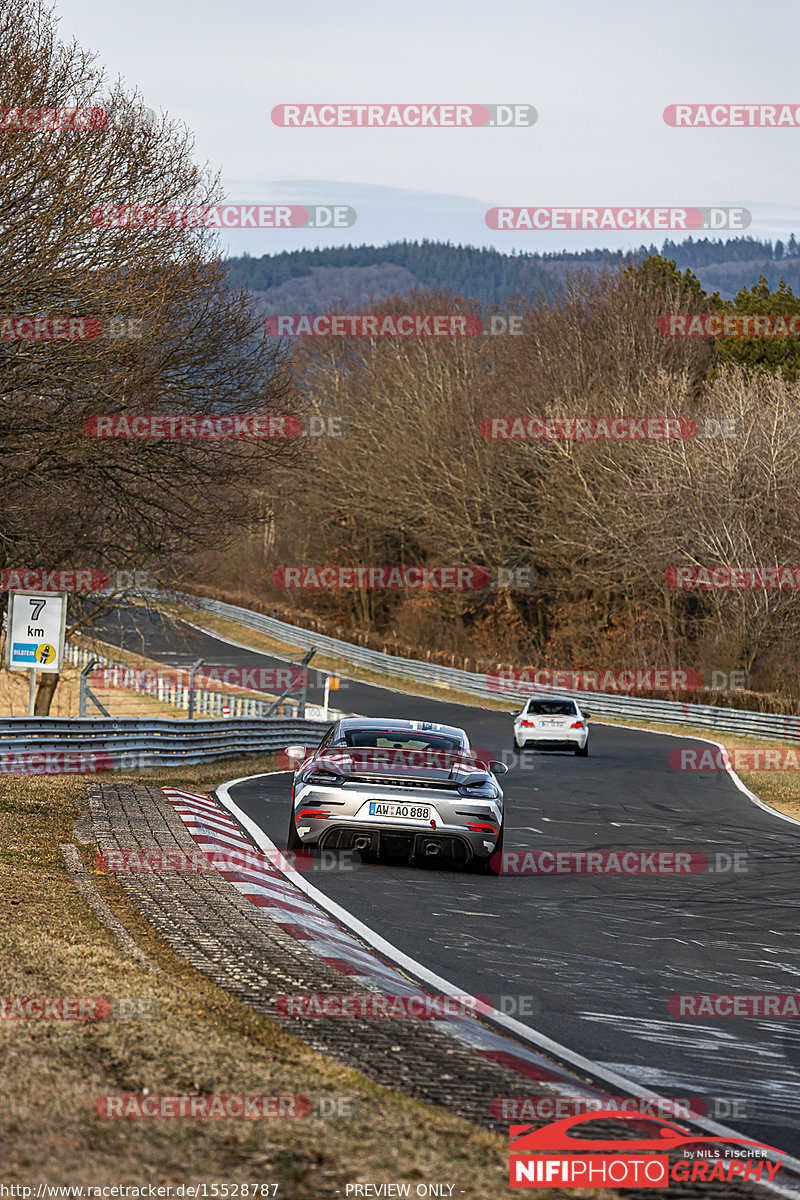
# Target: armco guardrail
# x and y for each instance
(667, 712)
(75, 745)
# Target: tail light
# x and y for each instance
(320, 775)
(311, 812)
(528, 724)
(481, 828)
(577, 725)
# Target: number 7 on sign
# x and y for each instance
(37, 606)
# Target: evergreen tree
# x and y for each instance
(776, 353)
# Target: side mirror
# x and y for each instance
(498, 768)
(296, 752)
(517, 714)
(585, 714)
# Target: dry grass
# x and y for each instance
(14, 694)
(202, 1041)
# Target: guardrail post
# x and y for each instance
(194, 667)
(84, 692)
(277, 705)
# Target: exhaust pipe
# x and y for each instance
(431, 849)
(361, 843)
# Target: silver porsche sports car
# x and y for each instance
(410, 788)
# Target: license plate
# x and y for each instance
(416, 812)
(550, 724)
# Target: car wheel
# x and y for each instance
(293, 842)
(582, 753)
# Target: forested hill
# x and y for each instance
(311, 280)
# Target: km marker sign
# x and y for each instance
(35, 639)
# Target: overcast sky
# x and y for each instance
(598, 74)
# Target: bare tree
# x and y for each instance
(86, 238)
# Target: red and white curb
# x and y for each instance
(283, 901)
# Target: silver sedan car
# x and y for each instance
(409, 788)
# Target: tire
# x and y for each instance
(584, 753)
(293, 842)
(484, 866)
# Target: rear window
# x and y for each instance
(387, 739)
(552, 708)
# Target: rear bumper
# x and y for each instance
(371, 838)
(567, 739)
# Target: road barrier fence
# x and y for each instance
(94, 745)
